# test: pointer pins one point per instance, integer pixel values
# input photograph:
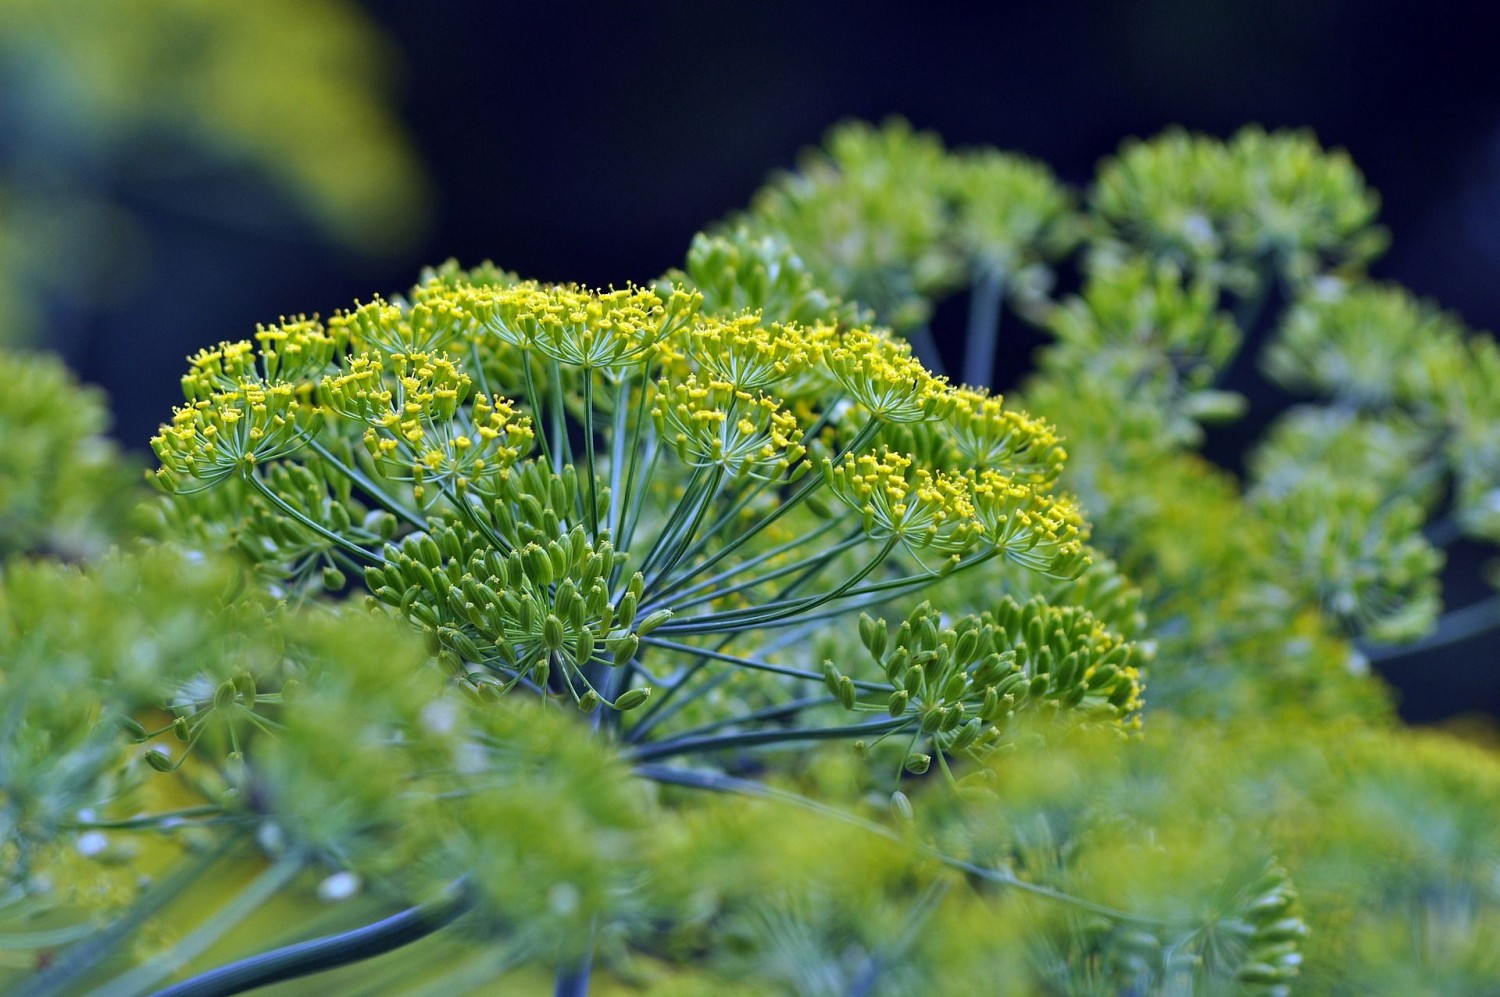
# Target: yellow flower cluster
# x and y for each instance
(232, 431)
(989, 436)
(921, 509)
(748, 353)
(881, 374)
(715, 423)
(1028, 525)
(609, 331)
(418, 426)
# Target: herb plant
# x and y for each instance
(699, 636)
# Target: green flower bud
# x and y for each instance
(553, 633)
(653, 620)
(632, 698)
(917, 764)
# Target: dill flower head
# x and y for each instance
(598, 497)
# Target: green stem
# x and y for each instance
(723, 576)
(369, 487)
(329, 952)
(760, 738)
(340, 541)
(761, 666)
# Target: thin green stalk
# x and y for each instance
(761, 738)
(815, 561)
(723, 576)
(562, 446)
(711, 493)
(761, 666)
(349, 545)
(984, 326)
(537, 409)
(764, 616)
(588, 452)
(690, 498)
(865, 434)
(263, 888)
(619, 425)
(368, 486)
(776, 712)
(636, 502)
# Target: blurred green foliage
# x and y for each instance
(166, 99)
(1100, 713)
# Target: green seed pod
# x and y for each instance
(846, 692)
(1038, 687)
(425, 614)
(538, 564)
(632, 698)
(224, 695)
(382, 524)
(967, 734)
(557, 554)
(596, 601)
(917, 764)
(625, 611)
(449, 544)
(553, 633)
(653, 620)
(901, 806)
(180, 728)
(873, 633)
(965, 646)
(990, 708)
(375, 578)
(916, 677)
(578, 547)
(1067, 672)
(832, 678)
(244, 684)
(593, 568)
(541, 672)
(565, 597)
(896, 705)
(160, 760)
(897, 663)
(933, 719)
(1260, 972)
(588, 702)
(1041, 661)
(624, 648)
(428, 552)
(584, 649)
(955, 687)
(134, 729)
(953, 718)
(1104, 676)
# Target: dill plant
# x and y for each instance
(698, 637)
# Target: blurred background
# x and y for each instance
(174, 171)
